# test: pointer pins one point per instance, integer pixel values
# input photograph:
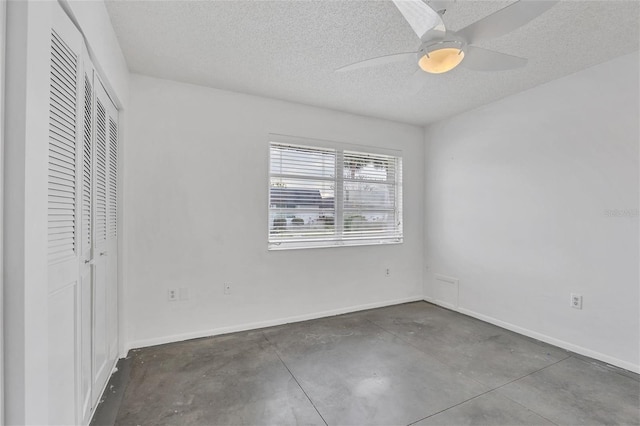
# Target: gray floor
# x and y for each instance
(407, 364)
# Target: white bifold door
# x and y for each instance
(104, 233)
(82, 223)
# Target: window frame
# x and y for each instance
(338, 238)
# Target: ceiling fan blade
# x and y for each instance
(505, 20)
(380, 60)
(479, 59)
(424, 21)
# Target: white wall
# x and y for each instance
(3, 10)
(196, 193)
(517, 194)
(25, 234)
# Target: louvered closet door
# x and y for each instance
(101, 318)
(112, 231)
(86, 243)
(98, 240)
(63, 217)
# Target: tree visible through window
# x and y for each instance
(327, 196)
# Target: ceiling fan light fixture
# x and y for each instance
(441, 60)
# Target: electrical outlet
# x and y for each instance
(227, 288)
(387, 272)
(576, 301)
(184, 293)
(172, 295)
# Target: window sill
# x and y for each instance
(288, 245)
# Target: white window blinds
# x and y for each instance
(330, 196)
(371, 200)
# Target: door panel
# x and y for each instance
(62, 367)
(101, 363)
(86, 382)
(112, 233)
(86, 246)
(63, 217)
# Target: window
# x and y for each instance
(323, 195)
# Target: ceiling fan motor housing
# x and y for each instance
(431, 46)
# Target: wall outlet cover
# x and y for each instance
(576, 301)
(172, 295)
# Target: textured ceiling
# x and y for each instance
(290, 49)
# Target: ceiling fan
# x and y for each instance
(443, 50)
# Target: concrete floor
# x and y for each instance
(407, 364)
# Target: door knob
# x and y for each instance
(104, 253)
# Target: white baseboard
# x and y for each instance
(547, 339)
(263, 324)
